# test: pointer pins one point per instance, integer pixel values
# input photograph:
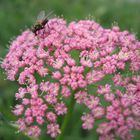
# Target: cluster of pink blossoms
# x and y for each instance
(65, 59)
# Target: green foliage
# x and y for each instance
(17, 15)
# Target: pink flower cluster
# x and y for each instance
(62, 59)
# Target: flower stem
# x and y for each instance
(67, 117)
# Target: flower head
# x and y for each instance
(99, 66)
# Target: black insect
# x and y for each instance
(41, 21)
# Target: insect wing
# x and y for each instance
(41, 16)
(45, 20)
(49, 14)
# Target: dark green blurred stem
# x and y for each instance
(67, 117)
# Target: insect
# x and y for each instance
(41, 21)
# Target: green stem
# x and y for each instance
(67, 118)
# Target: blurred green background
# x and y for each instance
(17, 15)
